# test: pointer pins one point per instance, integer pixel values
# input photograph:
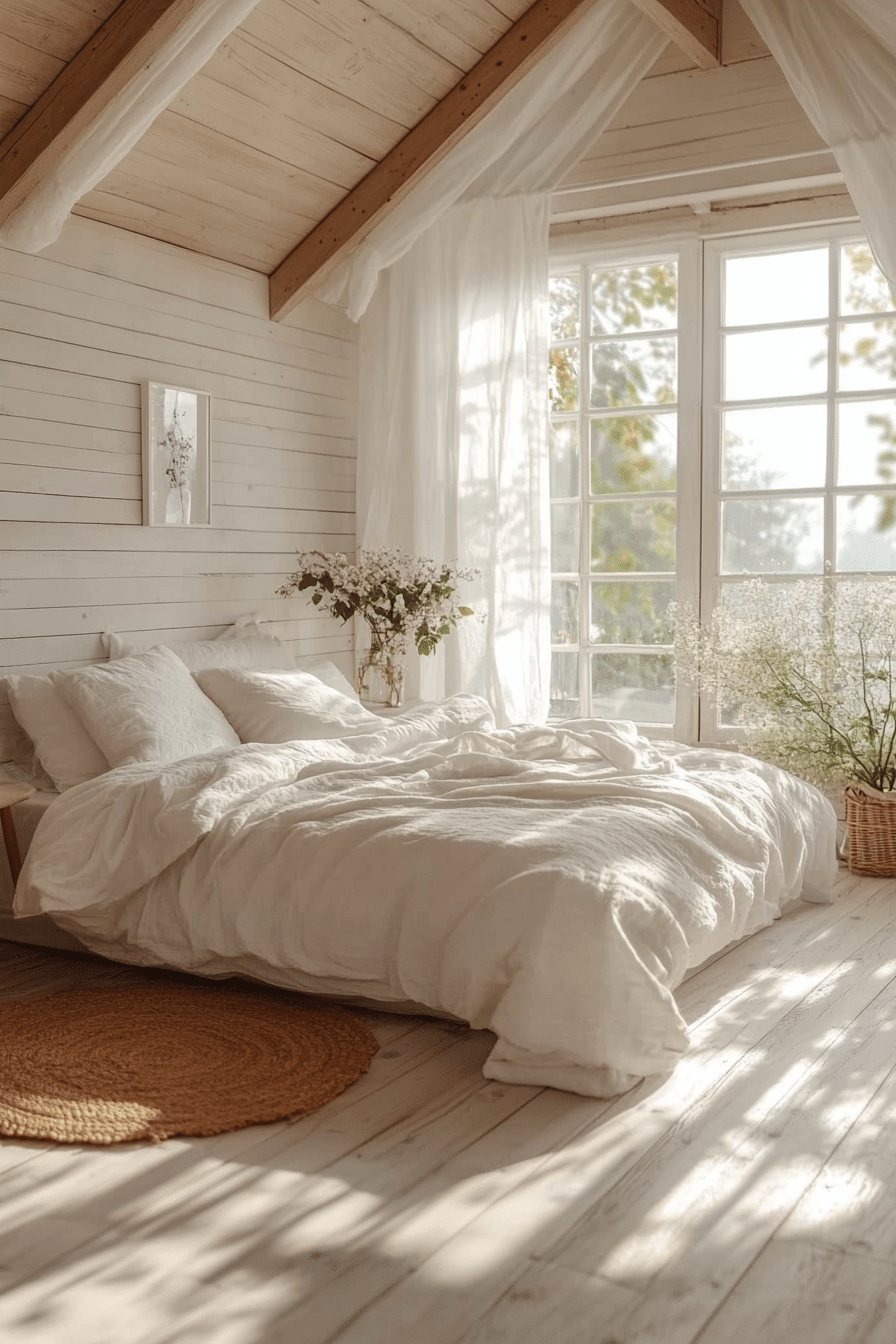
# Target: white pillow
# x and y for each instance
(249, 624)
(284, 706)
(145, 708)
(64, 747)
(329, 674)
(19, 760)
(228, 650)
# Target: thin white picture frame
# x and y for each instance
(176, 424)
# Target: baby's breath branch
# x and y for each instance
(887, 770)
(811, 700)
(810, 670)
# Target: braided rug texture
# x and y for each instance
(151, 1061)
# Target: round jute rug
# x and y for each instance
(152, 1061)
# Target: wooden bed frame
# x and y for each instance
(38, 930)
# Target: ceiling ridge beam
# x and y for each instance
(695, 26)
(420, 150)
(120, 47)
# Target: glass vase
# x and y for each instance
(381, 679)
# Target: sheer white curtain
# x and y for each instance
(452, 444)
(839, 57)
(39, 219)
(453, 424)
(525, 144)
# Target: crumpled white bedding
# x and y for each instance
(551, 884)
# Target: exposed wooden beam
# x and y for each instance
(695, 26)
(420, 150)
(128, 39)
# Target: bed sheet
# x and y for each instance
(550, 884)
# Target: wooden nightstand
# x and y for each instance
(9, 795)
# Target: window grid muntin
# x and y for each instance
(585, 413)
(832, 398)
(713, 581)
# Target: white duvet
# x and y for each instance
(550, 884)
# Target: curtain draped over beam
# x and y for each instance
(451, 293)
(39, 219)
(839, 58)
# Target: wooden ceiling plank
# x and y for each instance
(423, 146)
(344, 45)
(153, 182)
(56, 27)
(424, 21)
(24, 72)
(270, 130)
(103, 66)
(510, 9)
(740, 39)
(695, 26)
(222, 236)
(450, 29)
(256, 191)
(741, 114)
(11, 111)
(243, 65)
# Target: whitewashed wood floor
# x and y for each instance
(748, 1197)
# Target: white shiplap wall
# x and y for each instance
(82, 325)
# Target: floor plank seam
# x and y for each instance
(771, 1079)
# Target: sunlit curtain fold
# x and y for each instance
(525, 144)
(451, 293)
(839, 57)
(452, 450)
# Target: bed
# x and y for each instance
(552, 884)
(39, 930)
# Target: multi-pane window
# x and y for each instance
(614, 423)
(792, 354)
(800, 446)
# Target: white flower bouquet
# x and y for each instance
(402, 598)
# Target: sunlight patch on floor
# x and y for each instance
(800, 1072)
(768, 993)
(420, 1231)
(838, 1199)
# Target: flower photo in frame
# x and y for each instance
(176, 456)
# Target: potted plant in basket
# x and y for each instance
(809, 670)
(401, 598)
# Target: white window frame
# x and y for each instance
(699, 495)
(716, 250)
(688, 254)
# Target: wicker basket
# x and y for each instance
(870, 831)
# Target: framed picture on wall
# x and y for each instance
(176, 456)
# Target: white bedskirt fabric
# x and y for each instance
(550, 884)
